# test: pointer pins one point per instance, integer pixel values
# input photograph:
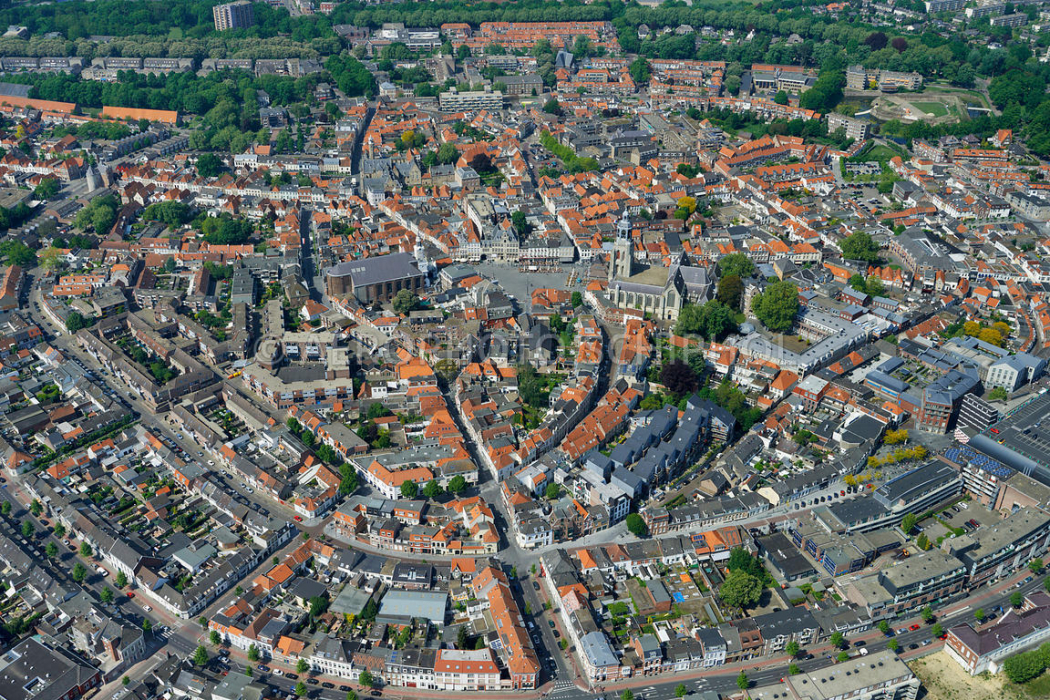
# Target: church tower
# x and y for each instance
(622, 264)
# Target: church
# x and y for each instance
(659, 292)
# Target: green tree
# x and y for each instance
(978, 615)
(740, 590)
(777, 306)
(893, 645)
(27, 529)
(908, 523)
(365, 679)
(837, 640)
(1035, 566)
(293, 425)
(5, 508)
(636, 525)
(51, 550)
(552, 106)
(404, 301)
(576, 300)
(351, 695)
(860, 246)
(1016, 599)
(76, 321)
(736, 264)
(457, 485)
(200, 656)
(59, 530)
(409, 489)
(216, 640)
(927, 614)
(85, 549)
(209, 165)
(462, 638)
(253, 653)
(302, 666)
(553, 491)
(730, 291)
(937, 630)
(432, 489)
(627, 694)
(792, 649)
(301, 690)
(781, 98)
(681, 691)
(884, 627)
(640, 71)
(147, 626)
(998, 394)
(106, 595)
(742, 681)
(843, 656)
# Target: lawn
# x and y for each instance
(937, 109)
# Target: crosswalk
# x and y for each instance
(561, 687)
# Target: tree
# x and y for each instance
(1035, 566)
(777, 306)
(681, 691)
(125, 681)
(404, 301)
(908, 523)
(302, 666)
(636, 525)
(457, 485)
(482, 164)
(76, 321)
(253, 653)
(837, 640)
(351, 695)
(859, 246)
(365, 679)
(200, 656)
(301, 690)
(740, 589)
(85, 549)
(730, 291)
(794, 670)
(843, 656)
(209, 165)
(792, 649)
(216, 639)
(640, 71)
(576, 300)
(627, 695)
(893, 645)
(28, 530)
(927, 614)
(59, 530)
(51, 550)
(5, 509)
(147, 626)
(462, 638)
(318, 606)
(552, 106)
(1016, 599)
(884, 627)
(896, 437)
(553, 491)
(978, 615)
(520, 222)
(106, 595)
(998, 394)
(432, 490)
(736, 264)
(678, 377)
(51, 258)
(293, 425)
(742, 681)
(937, 630)
(409, 489)
(781, 98)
